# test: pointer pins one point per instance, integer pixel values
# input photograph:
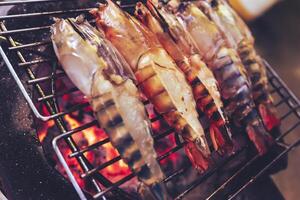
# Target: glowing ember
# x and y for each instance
(43, 132)
(84, 139)
(87, 137)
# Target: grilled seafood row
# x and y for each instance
(204, 86)
(186, 58)
(228, 70)
(239, 37)
(157, 77)
(103, 75)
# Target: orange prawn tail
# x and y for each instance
(258, 135)
(200, 160)
(220, 139)
(269, 116)
(219, 133)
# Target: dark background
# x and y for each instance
(277, 35)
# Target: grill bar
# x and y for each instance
(60, 94)
(117, 184)
(40, 61)
(94, 146)
(71, 110)
(286, 115)
(163, 135)
(11, 3)
(23, 30)
(116, 159)
(95, 170)
(41, 14)
(252, 180)
(176, 173)
(45, 78)
(36, 44)
(207, 175)
(81, 128)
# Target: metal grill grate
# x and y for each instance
(18, 55)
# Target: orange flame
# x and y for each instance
(43, 130)
(86, 138)
(103, 154)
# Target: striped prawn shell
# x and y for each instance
(179, 45)
(204, 100)
(206, 104)
(236, 92)
(151, 85)
(110, 119)
(228, 70)
(234, 87)
(257, 74)
(238, 36)
(113, 96)
(256, 71)
(153, 69)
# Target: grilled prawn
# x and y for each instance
(238, 36)
(99, 71)
(157, 76)
(177, 43)
(226, 66)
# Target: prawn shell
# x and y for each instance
(111, 120)
(238, 36)
(142, 50)
(151, 84)
(178, 44)
(238, 99)
(262, 97)
(112, 96)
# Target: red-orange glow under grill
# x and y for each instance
(106, 152)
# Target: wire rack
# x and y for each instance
(18, 56)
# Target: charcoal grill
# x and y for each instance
(18, 55)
